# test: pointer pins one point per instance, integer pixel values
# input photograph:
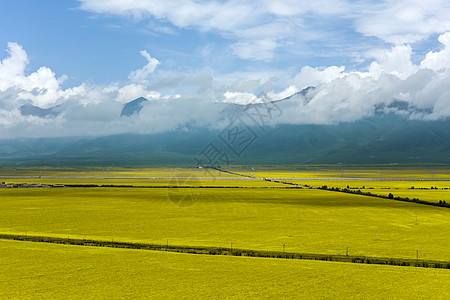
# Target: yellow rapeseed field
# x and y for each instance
(431, 191)
(36, 270)
(312, 221)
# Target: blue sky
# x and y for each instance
(107, 52)
(104, 47)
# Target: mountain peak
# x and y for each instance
(133, 107)
(32, 110)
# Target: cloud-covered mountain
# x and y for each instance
(32, 110)
(383, 138)
(37, 105)
(133, 107)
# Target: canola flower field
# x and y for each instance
(259, 217)
(34, 270)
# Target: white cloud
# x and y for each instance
(132, 91)
(350, 95)
(12, 67)
(402, 21)
(339, 95)
(255, 49)
(141, 75)
(439, 60)
(309, 76)
(259, 28)
(240, 98)
(290, 90)
(42, 88)
(396, 61)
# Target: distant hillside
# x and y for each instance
(379, 139)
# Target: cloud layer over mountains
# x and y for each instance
(183, 101)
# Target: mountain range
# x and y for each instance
(389, 136)
(383, 138)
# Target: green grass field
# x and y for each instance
(35, 270)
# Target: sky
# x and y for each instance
(190, 58)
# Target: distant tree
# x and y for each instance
(391, 196)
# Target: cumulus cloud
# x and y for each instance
(79, 107)
(340, 95)
(396, 61)
(41, 87)
(141, 75)
(344, 96)
(348, 96)
(441, 59)
(13, 66)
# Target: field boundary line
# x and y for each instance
(231, 251)
(240, 177)
(349, 191)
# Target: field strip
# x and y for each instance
(131, 178)
(349, 191)
(231, 251)
(150, 186)
(243, 177)
(361, 179)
